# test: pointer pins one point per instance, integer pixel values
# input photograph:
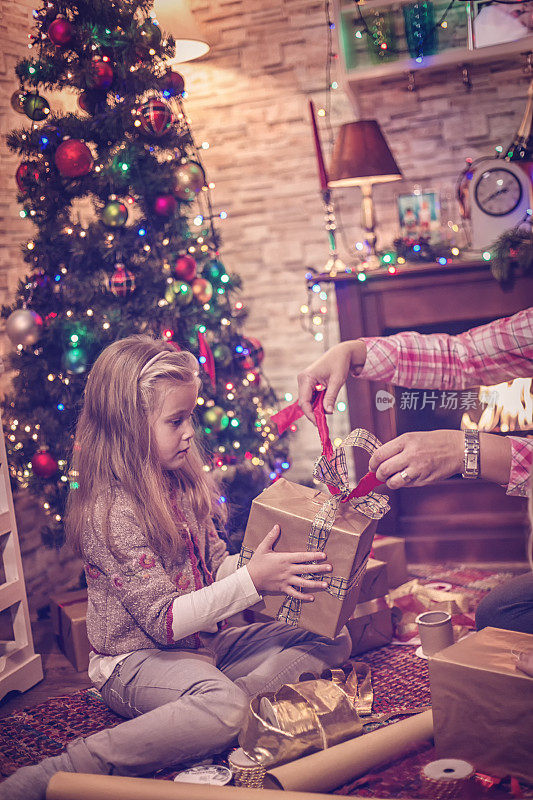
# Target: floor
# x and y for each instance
(60, 677)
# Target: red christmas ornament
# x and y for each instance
(185, 268)
(122, 282)
(90, 99)
(249, 353)
(26, 176)
(73, 158)
(165, 205)
(100, 75)
(172, 84)
(43, 464)
(155, 117)
(60, 31)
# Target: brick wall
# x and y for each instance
(248, 98)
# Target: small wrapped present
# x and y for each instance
(482, 704)
(68, 612)
(370, 625)
(391, 550)
(340, 524)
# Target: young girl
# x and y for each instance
(160, 582)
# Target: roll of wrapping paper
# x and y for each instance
(79, 786)
(329, 769)
(246, 771)
(446, 778)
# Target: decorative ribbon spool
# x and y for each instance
(446, 778)
(246, 771)
(435, 630)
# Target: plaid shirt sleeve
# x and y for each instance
(521, 460)
(492, 353)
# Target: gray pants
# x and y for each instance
(181, 707)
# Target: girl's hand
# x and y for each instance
(524, 662)
(419, 458)
(279, 573)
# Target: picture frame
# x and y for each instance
(419, 214)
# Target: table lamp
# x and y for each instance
(361, 157)
(175, 17)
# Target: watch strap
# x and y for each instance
(471, 455)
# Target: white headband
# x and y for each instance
(152, 361)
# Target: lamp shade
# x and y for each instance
(361, 155)
(175, 17)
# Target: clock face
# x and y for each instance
(498, 192)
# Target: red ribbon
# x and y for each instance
(209, 363)
(284, 418)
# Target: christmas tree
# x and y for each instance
(125, 242)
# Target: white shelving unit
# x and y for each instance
(460, 32)
(20, 666)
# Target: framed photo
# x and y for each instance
(496, 23)
(419, 214)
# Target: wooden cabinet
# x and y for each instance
(20, 666)
(453, 519)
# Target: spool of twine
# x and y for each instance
(246, 771)
(446, 778)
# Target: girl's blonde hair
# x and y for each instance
(113, 445)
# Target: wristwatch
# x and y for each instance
(471, 457)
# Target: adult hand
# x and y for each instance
(418, 458)
(280, 573)
(524, 662)
(329, 371)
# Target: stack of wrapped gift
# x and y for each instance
(483, 705)
(391, 550)
(68, 612)
(370, 625)
(347, 545)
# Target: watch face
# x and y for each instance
(498, 192)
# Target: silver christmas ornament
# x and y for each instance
(24, 326)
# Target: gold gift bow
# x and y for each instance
(312, 715)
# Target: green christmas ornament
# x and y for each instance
(170, 294)
(222, 355)
(188, 180)
(183, 293)
(114, 214)
(36, 107)
(215, 418)
(75, 360)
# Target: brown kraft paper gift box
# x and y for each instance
(68, 612)
(483, 705)
(293, 508)
(391, 550)
(370, 625)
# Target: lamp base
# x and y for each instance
(371, 263)
(334, 265)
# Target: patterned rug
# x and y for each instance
(399, 678)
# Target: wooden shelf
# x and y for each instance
(456, 43)
(456, 56)
(20, 667)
